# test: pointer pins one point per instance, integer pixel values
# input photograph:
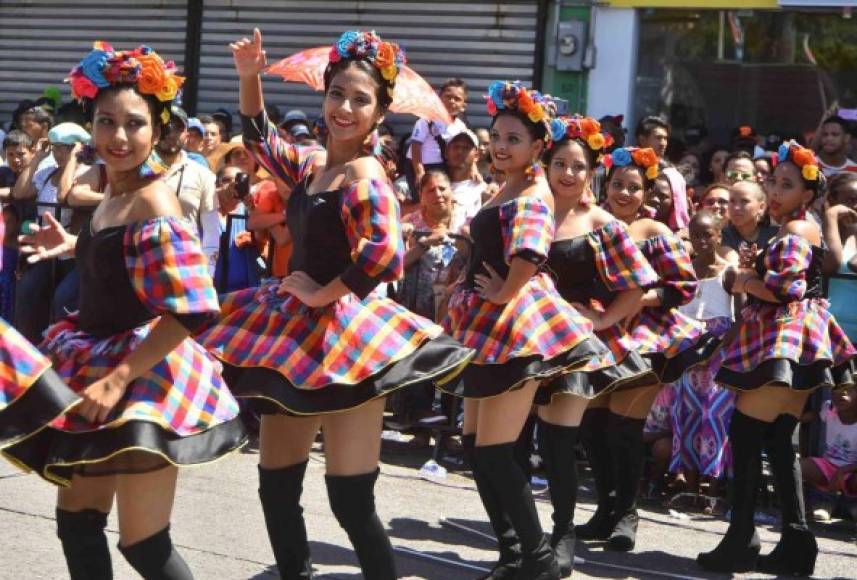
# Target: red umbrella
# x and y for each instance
(413, 94)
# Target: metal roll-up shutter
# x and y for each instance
(478, 41)
(40, 40)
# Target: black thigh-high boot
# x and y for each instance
(556, 444)
(593, 434)
(280, 492)
(625, 438)
(507, 540)
(352, 500)
(155, 558)
(795, 553)
(524, 446)
(496, 463)
(738, 551)
(85, 544)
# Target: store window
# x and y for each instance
(711, 71)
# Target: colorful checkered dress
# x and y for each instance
(796, 343)
(535, 335)
(179, 411)
(590, 269)
(672, 340)
(310, 361)
(20, 365)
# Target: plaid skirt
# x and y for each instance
(309, 361)
(179, 412)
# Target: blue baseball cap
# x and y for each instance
(194, 123)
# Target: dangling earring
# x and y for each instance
(372, 144)
(534, 170)
(153, 166)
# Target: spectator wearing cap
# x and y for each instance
(195, 136)
(289, 127)
(427, 145)
(223, 118)
(49, 289)
(41, 183)
(193, 184)
(744, 138)
(180, 117)
(213, 136)
(468, 188)
(18, 152)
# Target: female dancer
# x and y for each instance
(592, 257)
(150, 398)
(322, 348)
(508, 309)
(787, 345)
(658, 332)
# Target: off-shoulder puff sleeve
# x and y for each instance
(786, 262)
(370, 213)
(527, 226)
(289, 162)
(677, 279)
(169, 272)
(618, 259)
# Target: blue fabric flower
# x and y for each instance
(495, 93)
(93, 67)
(558, 129)
(783, 152)
(346, 42)
(621, 157)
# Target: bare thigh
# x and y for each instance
(501, 418)
(88, 493)
(634, 403)
(352, 439)
(564, 410)
(145, 502)
(286, 440)
(768, 403)
(811, 473)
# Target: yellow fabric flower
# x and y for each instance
(652, 172)
(169, 89)
(596, 141)
(389, 73)
(537, 113)
(810, 172)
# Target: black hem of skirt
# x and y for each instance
(788, 374)
(43, 401)
(489, 380)
(631, 372)
(671, 369)
(56, 455)
(269, 392)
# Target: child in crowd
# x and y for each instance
(702, 410)
(834, 471)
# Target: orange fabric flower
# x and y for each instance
(745, 130)
(389, 73)
(152, 74)
(525, 102)
(645, 157)
(537, 113)
(386, 55)
(589, 127)
(803, 157)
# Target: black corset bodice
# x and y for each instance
(108, 303)
(572, 265)
(320, 244)
(487, 245)
(814, 280)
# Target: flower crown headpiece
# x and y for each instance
(802, 157)
(586, 129)
(387, 57)
(537, 107)
(644, 158)
(104, 67)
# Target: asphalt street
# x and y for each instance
(219, 528)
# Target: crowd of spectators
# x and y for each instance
(712, 195)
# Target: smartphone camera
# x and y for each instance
(242, 185)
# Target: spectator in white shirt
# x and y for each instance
(468, 188)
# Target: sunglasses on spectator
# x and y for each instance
(739, 176)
